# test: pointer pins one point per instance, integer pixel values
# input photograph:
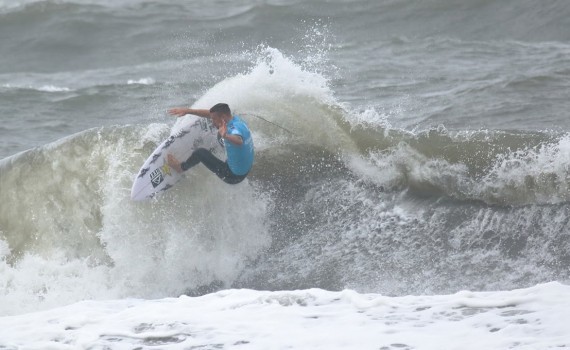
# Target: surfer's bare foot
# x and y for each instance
(174, 163)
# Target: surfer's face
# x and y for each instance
(217, 119)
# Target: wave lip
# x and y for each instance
(495, 167)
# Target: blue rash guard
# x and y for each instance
(240, 157)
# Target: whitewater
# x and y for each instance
(410, 189)
(308, 319)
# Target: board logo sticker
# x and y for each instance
(156, 177)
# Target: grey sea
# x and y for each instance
(402, 147)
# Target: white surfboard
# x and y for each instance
(156, 176)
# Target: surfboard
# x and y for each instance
(189, 134)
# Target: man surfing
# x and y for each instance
(237, 141)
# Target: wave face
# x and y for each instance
(421, 149)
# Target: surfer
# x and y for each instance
(237, 140)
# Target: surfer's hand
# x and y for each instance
(179, 112)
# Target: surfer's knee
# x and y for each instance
(201, 152)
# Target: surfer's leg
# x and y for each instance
(210, 161)
(217, 166)
(234, 179)
(193, 160)
(207, 158)
(199, 155)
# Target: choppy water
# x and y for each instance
(427, 151)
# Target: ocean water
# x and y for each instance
(410, 190)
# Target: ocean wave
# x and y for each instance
(142, 81)
(31, 5)
(338, 197)
(525, 20)
(496, 167)
(92, 84)
(73, 80)
(231, 10)
(303, 201)
(42, 88)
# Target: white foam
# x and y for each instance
(142, 81)
(368, 118)
(4, 249)
(532, 318)
(43, 88)
(532, 175)
(52, 88)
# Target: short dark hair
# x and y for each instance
(222, 108)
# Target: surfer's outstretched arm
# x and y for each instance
(181, 111)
